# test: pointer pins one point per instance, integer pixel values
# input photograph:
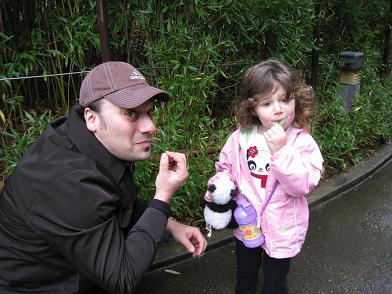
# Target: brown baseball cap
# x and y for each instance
(119, 83)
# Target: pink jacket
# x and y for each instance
(297, 167)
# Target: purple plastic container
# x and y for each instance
(245, 215)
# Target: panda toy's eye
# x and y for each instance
(267, 167)
(252, 165)
(211, 188)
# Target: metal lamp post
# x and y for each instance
(350, 77)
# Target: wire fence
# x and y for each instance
(87, 71)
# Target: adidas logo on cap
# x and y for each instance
(136, 75)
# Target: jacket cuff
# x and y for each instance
(161, 206)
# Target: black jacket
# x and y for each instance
(70, 209)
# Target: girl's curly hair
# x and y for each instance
(261, 79)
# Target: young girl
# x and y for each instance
(274, 162)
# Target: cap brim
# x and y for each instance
(134, 96)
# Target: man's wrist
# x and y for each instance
(170, 225)
(160, 205)
(163, 196)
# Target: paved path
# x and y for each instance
(348, 250)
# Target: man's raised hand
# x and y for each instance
(173, 172)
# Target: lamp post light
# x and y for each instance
(350, 77)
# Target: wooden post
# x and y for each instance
(103, 31)
(387, 40)
(1, 22)
(315, 51)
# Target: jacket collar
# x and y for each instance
(89, 145)
(243, 135)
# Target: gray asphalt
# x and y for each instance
(347, 250)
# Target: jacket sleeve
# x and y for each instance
(298, 167)
(225, 162)
(77, 215)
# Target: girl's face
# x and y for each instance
(275, 107)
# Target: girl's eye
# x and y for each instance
(150, 113)
(132, 115)
(265, 104)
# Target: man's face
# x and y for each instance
(125, 133)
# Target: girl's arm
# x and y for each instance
(225, 162)
(223, 166)
(298, 167)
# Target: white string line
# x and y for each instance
(43, 76)
(81, 72)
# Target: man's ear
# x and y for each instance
(92, 119)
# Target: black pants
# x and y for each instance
(275, 271)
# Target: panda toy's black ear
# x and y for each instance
(233, 192)
(211, 188)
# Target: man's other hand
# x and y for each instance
(190, 237)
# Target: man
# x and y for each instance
(69, 214)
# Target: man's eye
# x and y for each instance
(131, 114)
(151, 113)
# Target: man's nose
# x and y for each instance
(146, 124)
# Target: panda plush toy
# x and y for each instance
(218, 214)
